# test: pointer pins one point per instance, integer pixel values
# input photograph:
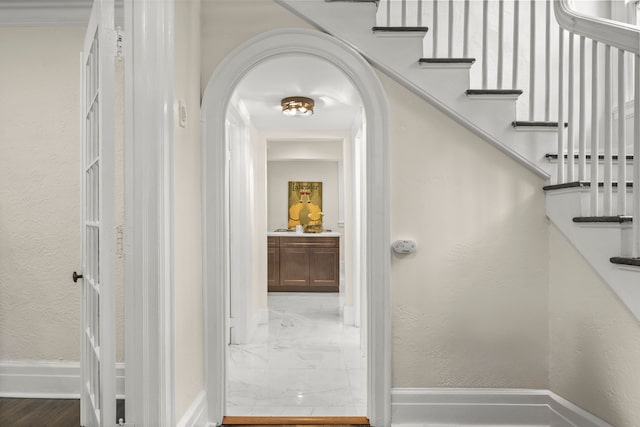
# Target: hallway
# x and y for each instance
(310, 364)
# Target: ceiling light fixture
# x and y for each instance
(297, 106)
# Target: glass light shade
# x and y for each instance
(297, 106)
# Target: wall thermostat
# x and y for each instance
(404, 246)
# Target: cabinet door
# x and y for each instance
(273, 268)
(294, 266)
(325, 268)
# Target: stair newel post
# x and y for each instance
(607, 140)
(485, 43)
(570, 99)
(532, 61)
(636, 160)
(561, 161)
(582, 118)
(516, 33)
(594, 129)
(622, 134)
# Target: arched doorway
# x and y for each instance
(376, 254)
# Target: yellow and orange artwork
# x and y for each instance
(305, 205)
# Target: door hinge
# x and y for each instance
(119, 37)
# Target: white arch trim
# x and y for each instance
(215, 218)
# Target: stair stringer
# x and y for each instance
(444, 88)
(596, 243)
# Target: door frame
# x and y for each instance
(377, 210)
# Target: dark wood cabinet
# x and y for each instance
(273, 260)
(303, 264)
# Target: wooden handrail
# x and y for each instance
(612, 33)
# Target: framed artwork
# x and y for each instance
(305, 206)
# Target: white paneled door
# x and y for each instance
(98, 215)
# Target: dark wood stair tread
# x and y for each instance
(618, 219)
(539, 124)
(554, 156)
(400, 29)
(578, 184)
(625, 261)
(446, 60)
(494, 92)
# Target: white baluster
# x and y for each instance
(594, 128)
(500, 40)
(465, 43)
(608, 179)
(435, 28)
(403, 13)
(561, 109)
(516, 32)
(419, 12)
(622, 135)
(636, 161)
(388, 13)
(547, 65)
(485, 44)
(582, 120)
(532, 62)
(450, 50)
(571, 175)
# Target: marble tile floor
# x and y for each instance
(310, 364)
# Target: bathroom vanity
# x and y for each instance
(305, 262)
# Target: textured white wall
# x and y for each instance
(470, 307)
(39, 193)
(189, 320)
(594, 339)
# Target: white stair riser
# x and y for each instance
(585, 202)
(614, 170)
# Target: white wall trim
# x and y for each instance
(348, 315)
(149, 218)
(196, 415)
(473, 406)
(47, 380)
(216, 251)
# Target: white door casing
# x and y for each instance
(377, 209)
(98, 399)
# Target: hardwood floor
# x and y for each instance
(44, 412)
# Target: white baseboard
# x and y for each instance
(196, 415)
(486, 407)
(349, 315)
(260, 326)
(48, 380)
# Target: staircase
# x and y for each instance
(524, 76)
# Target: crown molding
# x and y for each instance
(36, 13)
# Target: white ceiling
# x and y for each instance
(337, 101)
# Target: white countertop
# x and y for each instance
(294, 234)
